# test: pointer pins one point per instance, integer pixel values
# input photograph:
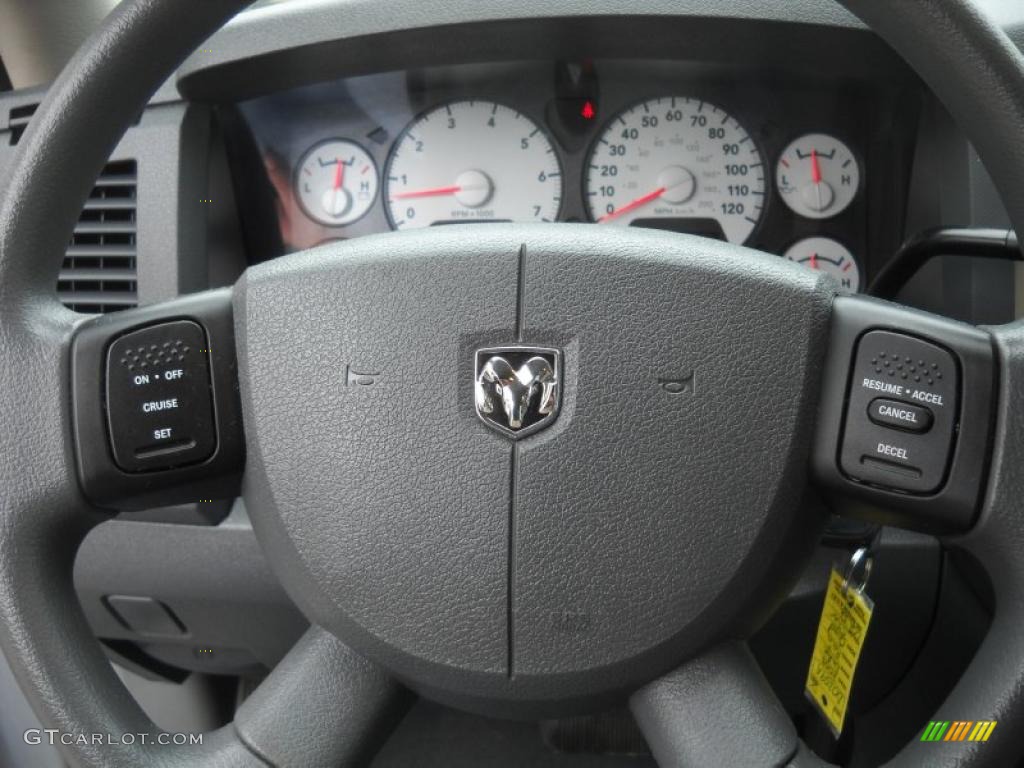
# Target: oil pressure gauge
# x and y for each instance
(817, 176)
(336, 182)
(827, 255)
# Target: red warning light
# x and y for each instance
(588, 112)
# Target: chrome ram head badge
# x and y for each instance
(517, 388)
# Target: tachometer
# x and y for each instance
(472, 161)
(677, 163)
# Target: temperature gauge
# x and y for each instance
(336, 182)
(817, 176)
(830, 256)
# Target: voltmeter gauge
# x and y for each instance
(817, 176)
(828, 255)
(336, 182)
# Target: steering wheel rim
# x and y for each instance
(969, 63)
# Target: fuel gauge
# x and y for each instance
(336, 182)
(828, 255)
(817, 176)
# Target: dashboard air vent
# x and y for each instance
(99, 271)
(18, 119)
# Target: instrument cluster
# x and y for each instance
(663, 145)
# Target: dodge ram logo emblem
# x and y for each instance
(517, 388)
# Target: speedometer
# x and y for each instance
(677, 163)
(472, 161)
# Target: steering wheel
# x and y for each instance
(701, 399)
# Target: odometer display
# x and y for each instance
(677, 158)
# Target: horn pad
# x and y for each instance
(661, 509)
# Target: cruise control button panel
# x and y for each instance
(901, 413)
(158, 399)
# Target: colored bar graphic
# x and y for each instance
(983, 730)
(958, 730)
(935, 730)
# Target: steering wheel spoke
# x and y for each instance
(323, 705)
(716, 709)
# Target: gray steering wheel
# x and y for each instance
(627, 546)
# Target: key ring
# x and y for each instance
(858, 571)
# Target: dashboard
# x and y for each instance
(779, 161)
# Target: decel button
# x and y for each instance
(892, 413)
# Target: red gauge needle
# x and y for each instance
(433, 192)
(633, 205)
(815, 167)
(339, 174)
(814, 261)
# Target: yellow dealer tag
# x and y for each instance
(844, 625)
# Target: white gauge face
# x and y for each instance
(336, 182)
(677, 158)
(817, 176)
(828, 255)
(472, 161)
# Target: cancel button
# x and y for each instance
(893, 413)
